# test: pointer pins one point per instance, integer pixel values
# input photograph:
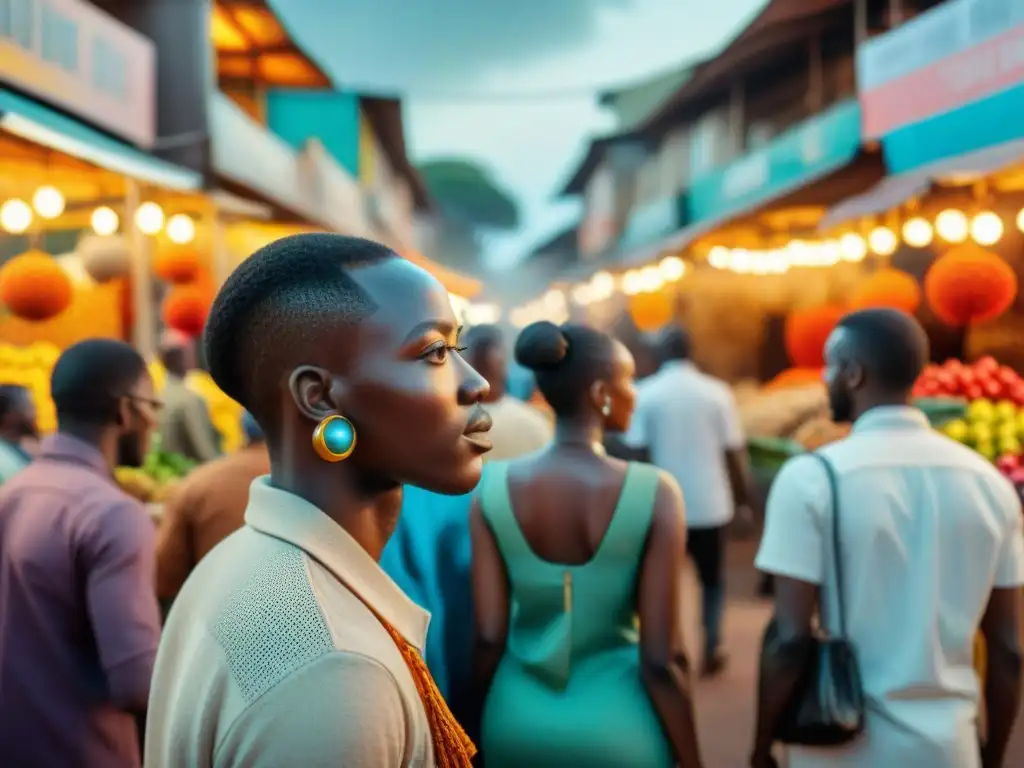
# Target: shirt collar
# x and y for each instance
(64, 447)
(678, 365)
(290, 518)
(892, 417)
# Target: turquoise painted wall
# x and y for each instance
(329, 116)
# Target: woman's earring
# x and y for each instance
(334, 438)
(606, 409)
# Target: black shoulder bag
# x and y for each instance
(828, 708)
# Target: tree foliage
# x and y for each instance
(467, 193)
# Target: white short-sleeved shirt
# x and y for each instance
(927, 529)
(270, 656)
(517, 429)
(688, 420)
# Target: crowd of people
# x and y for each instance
(408, 566)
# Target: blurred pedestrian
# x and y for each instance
(79, 623)
(17, 425)
(205, 508)
(930, 550)
(185, 425)
(687, 423)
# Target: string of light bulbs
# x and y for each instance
(48, 203)
(951, 226)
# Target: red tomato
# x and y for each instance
(974, 392)
(1016, 393)
(966, 376)
(1008, 462)
(952, 364)
(993, 389)
(1007, 375)
(986, 364)
(946, 381)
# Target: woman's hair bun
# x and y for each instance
(541, 346)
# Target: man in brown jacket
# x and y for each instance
(206, 508)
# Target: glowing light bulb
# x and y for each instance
(149, 218)
(104, 221)
(632, 283)
(48, 202)
(602, 285)
(15, 216)
(672, 268)
(852, 247)
(986, 228)
(650, 280)
(1020, 220)
(951, 225)
(181, 229)
(918, 232)
(718, 257)
(883, 241)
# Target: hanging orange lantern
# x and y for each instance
(651, 311)
(185, 309)
(176, 265)
(889, 289)
(795, 377)
(35, 287)
(970, 285)
(806, 332)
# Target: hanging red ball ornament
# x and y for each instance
(34, 287)
(806, 332)
(969, 284)
(888, 288)
(185, 309)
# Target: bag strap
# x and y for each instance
(837, 564)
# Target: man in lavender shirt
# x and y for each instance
(79, 623)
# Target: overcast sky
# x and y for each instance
(508, 84)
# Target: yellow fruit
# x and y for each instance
(980, 410)
(1005, 410)
(957, 430)
(987, 449)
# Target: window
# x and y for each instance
(59, 40)
(109, 69)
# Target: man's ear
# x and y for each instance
(315, 391)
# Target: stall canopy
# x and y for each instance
(47, 127)
(896, 190)
(818, 159)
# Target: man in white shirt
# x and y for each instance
(688, 424)
(931, 550)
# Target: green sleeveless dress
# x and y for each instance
(568, 690)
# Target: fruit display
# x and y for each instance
(30, 367)
(779, 413)
(984, 379)
(993, 429)
(992, 399)
(819, 432)
(153, 481)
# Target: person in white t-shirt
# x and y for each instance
(931, 550)
(687, 423)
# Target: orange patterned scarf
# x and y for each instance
(452, 747)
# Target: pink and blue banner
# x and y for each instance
(948, 82)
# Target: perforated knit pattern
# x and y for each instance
(272, 626)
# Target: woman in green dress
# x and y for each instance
(570, 549)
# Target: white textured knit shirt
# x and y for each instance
(271, 659)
